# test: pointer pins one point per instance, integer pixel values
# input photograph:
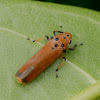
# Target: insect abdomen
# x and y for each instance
(37, 63)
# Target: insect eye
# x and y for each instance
(70, 42)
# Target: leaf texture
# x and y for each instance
(33, 19)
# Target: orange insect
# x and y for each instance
(54, 48)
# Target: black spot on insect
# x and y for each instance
(52, 48)
(64, 38)
(62, 45)
(56, 39)
(67, 35)
(51, 37)
(70, 42)
(56, 45)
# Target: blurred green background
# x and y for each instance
(91, 4)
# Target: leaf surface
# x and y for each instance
(33, 19)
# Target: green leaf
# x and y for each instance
(33, 19)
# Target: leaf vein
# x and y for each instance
(91, 79)
(17, 33)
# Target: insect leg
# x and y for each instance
(39, 39)
(58, 31)
(54, 32)
(64, 50)
(75, 45)
(64, 59)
